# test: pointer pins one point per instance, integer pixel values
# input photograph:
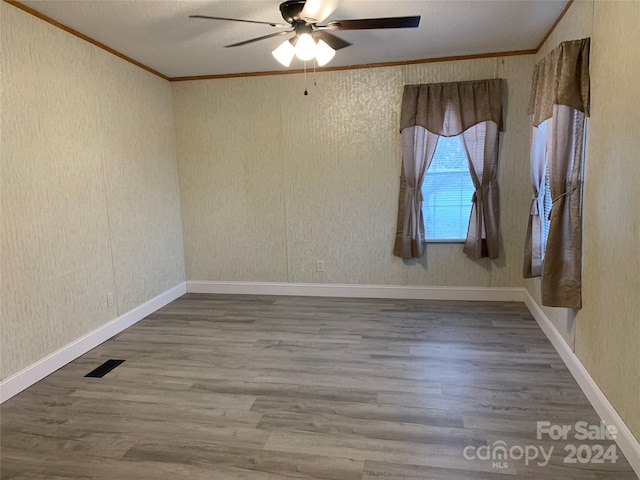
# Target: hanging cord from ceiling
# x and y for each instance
(315, 79)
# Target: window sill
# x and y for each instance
(445, 240)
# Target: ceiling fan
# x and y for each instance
(310, 40)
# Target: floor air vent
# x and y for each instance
(105, 368)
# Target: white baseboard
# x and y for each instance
(37, 371)
(627, 442)
(491, 294)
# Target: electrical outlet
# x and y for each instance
(319, 265)
(110, 300)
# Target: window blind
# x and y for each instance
(447, 191)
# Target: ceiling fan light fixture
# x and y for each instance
(324, 53)
(284, 53)
(305, 47)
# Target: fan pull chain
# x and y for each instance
(306, 92)
(314, 72)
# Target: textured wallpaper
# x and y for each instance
(141, 181)
(231, 179)
(89, 195)
(272, 180)
(605, 333)
(607, 338)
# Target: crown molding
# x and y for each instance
(511, 53)
(555, 24)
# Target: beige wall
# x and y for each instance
(606, 331)
(272, 180)
(607, 339)
(89, 195)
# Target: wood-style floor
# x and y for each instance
(264, 388)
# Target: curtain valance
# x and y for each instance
(448, 109)
(561, 78)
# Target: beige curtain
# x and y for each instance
(560, 94)
(533, 252)
(418, 147)
(561, 78)
(449, 109)
(562, 267)
(481, 145)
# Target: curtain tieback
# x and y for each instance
(414, 191)
(568, 192)
(534, 206)
(535, 202)
(474, 197)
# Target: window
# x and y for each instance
(544, 210)
(547, 207)
(447, 190)
(472, 112)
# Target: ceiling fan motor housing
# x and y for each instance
(291, 9)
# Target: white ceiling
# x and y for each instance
(159, 34)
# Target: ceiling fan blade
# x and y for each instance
(279, 25)
(330, 39)
(373, 23)
(315, 11)
(257, 39)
